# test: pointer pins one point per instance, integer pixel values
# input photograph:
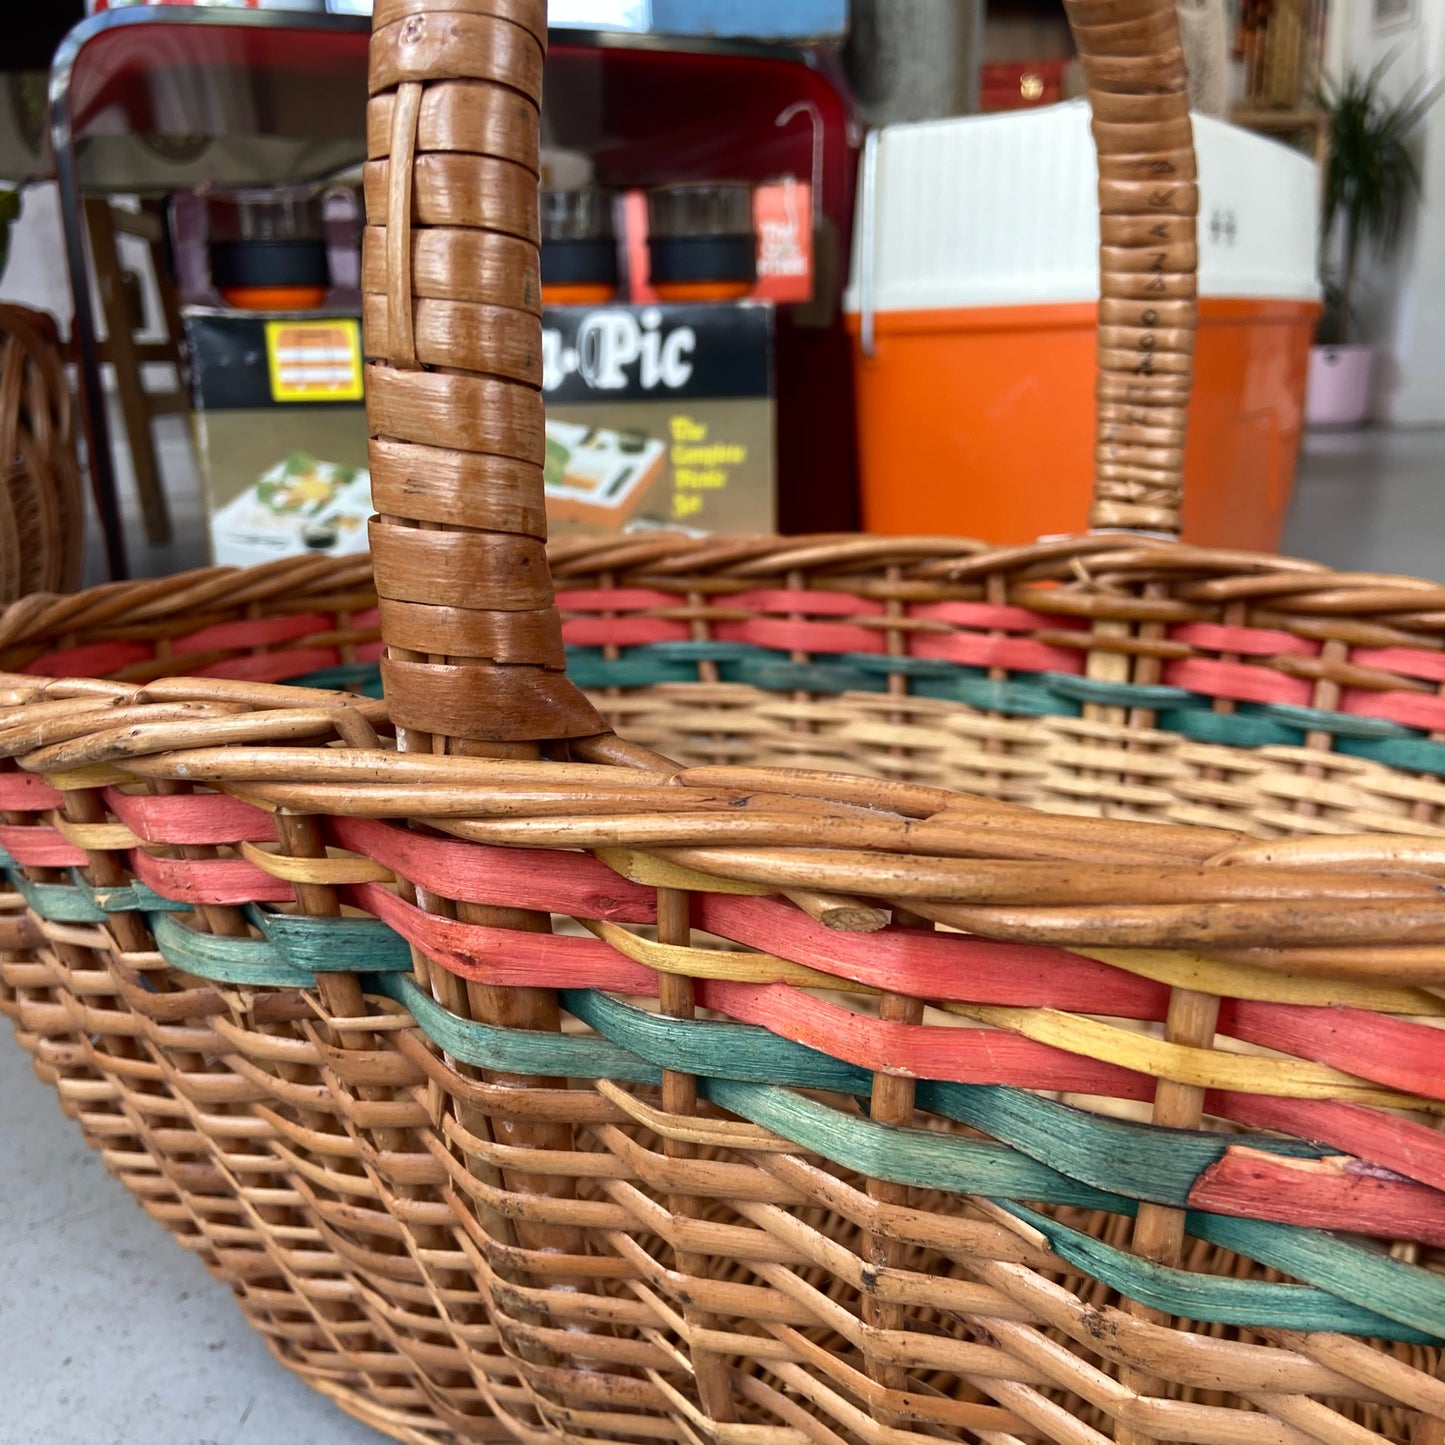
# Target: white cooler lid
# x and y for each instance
(1002, 210)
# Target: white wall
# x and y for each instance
(1402, 303)
(35, 274)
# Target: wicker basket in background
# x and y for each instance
(42, 527)
(807, 1090)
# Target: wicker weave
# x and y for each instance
(554, 1090)
(41, 523)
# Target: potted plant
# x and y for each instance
(1372, 175)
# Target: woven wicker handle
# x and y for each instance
(453, 392)
(453, 327)
(1148, 309)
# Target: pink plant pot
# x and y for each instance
(1338, 389)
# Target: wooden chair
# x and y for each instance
(123, 306)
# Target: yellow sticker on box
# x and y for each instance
(315, 360)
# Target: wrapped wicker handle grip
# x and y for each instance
(453, 395)
(453, 330)
(1148, 308)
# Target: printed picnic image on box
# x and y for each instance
(318, 505)
(597, 475)
(659, 417)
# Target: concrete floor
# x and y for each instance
(187, 547)
(113, 1336)
(1371, 501)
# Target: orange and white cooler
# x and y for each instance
(972, 301)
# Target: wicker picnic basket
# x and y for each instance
(553, 1090)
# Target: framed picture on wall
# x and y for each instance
(1393, 14)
